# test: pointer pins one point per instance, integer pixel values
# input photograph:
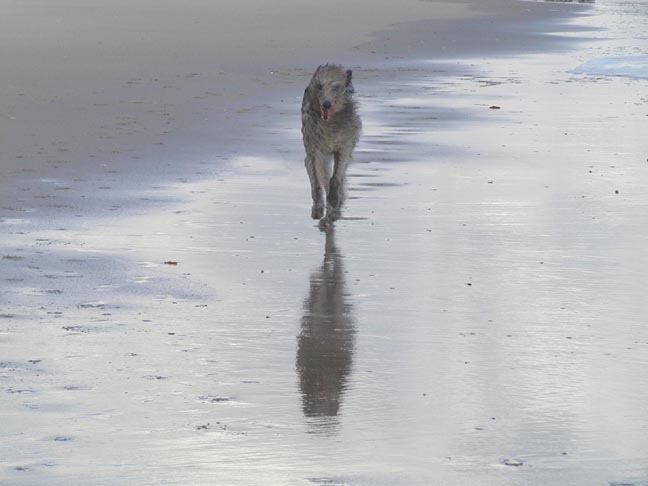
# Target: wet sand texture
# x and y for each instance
(170, 314)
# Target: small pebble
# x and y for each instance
(512, 462)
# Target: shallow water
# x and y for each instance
(626, 66)
(478, 318)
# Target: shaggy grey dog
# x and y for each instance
(331, 129)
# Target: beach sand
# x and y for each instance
(151, 87)
(171, 315)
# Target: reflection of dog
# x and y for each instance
(331, 129)
(326, 342)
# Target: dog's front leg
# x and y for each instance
(317, 189)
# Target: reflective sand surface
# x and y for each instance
(478, 318)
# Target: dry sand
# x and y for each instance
(110, 83)
(477, 318)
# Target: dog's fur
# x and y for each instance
(331, 128)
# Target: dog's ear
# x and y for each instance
(349, 85)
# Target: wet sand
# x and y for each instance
(476, 318)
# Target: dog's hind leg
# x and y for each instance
(337, 186)
(317, 188)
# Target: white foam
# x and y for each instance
(627, 66)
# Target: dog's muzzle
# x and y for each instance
(326, 110)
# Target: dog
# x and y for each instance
(331, 129)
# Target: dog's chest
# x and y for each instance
(329, 136)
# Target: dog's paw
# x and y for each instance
(325, 223)
(317, 212)
(333, 214)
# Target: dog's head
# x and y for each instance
(331, 89)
